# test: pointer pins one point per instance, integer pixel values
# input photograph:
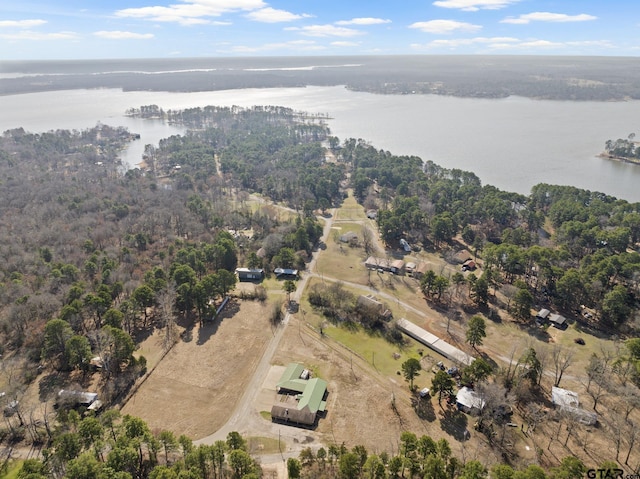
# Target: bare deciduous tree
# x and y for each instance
(368, 240)
(562, 359)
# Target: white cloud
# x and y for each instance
(31, 35)
(119, 35)
(191, 12)
(474, 5)
(325, 31)
(445, 26)
(540, 44)
(21, 23)
(345, 44)
(363, 21)
(548, 17)
(271, 15)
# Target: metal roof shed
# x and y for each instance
(557, 320)
(469, 399)
(564, 397)
(543, 313)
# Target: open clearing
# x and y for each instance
(194, 389)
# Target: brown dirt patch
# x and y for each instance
(194, 389)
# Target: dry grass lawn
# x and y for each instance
(359, 403)
(196, 386)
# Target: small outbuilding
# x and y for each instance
(286, 273)
(369, 301)
(543, 314)
(558, 320)
(349, 237)
(397, 266)
(249, 274)
(420, 270)
(75, 399)
(469, 265)
(469, 401)
(462, 256)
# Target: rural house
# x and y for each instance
(384, 264)
(249, 274)
(301, 398)
(567, 401)
(558, 320)
(286, 273)
(469, 401)
(349, 237)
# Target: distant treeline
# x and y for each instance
(558, 78)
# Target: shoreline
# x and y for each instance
(623, 159)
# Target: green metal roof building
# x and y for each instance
(313, 395)
(310, 396)
(291, 380)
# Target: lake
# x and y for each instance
(512, 143)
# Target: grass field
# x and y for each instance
(13, 470)
(384, 356)
(350, 210)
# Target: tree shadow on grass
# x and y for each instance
(491, 362)
(209, 327)
(423, 408)
(50, 385)
(454, 423)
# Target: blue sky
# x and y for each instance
(82, 29)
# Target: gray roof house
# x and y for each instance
(249, 274)
(557, 320)
(469, 401)
(568, 402)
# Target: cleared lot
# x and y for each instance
(195, 387)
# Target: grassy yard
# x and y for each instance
(373, 348)
(377, 351)
(13, 470)
(344, 262)
(350, 210)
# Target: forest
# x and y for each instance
(94, 258)
(112, 446)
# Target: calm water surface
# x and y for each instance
(512, 143)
